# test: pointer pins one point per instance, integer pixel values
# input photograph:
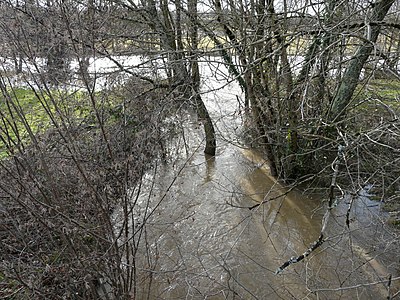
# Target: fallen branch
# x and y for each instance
(297, 259)
(331, 204)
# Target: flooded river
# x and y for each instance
(203, 242)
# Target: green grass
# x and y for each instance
(385, 89)
(378, 97)
(24, 111)
(20, 110)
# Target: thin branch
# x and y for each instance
(352, 287)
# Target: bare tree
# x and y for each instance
(102, 192)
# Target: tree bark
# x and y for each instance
(351, 76)
(202, 111)
(204, 116)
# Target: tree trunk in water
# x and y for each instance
(204, 116)
(202, 111)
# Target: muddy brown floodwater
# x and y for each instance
(205, 244)
(202, 242)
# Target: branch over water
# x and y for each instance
(331, 204)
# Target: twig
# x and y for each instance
(368, 284)
(349, 209)
(13, 293)
(388, 286)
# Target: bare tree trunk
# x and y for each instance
(202, 111)
(351, 76)
(211, 144)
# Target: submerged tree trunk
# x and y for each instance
(204, 116)
(202, 111)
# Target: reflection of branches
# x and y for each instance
(269, 199)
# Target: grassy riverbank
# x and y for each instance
(30, 112)
(376, 110)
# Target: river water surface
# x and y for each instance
(203, 241)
